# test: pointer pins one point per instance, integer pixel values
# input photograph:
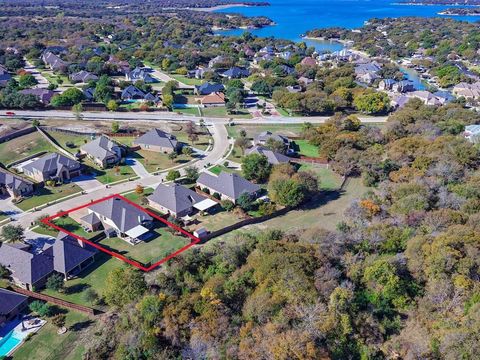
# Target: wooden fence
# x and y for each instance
(56, 301)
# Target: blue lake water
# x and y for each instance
(294, 18)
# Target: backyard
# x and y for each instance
(306, 149)
(48, 194)
(155, 161)
(75, 141)
(23, 146)
(47, 344)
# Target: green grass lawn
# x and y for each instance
(109, 175)
(137, 198)
(221, 111)
(217, 169)
(150, 251)
(307, 149)
(48, 194)
(202, 142)
(327, 178)
(94, 277)
(154, 161)
(218, 220)
(185, 80)
(188, 111)
(3, 216)
(253, 130)
(47, 344)
(63, 138)
(23, 146)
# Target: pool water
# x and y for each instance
(9, 342)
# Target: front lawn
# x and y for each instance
(162, 244)
(48, 194)
(185, 80)
(217, 169)
(188, 111)
(307, 149)
(253, 130)
(154, 161)
(221, 111)
(47, 344)
(137, 198)
(24, 146)
(110, 175)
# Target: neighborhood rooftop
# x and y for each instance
(231, 185)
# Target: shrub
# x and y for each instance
(227, 205)
(40, 308)
(217, 196)
(206, 190)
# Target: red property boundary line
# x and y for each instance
(195, 240)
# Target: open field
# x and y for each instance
(185, 80)
(253, 130)
(47, 344)
(328, 180)
(306, 149)
(23, 146)
(48, 194)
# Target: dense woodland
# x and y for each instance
(398, 279)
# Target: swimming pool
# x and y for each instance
(10, 342)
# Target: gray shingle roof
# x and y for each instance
(124, 215)
(175, 198)
(131, 92)
(12, 181)
(53, 163)
(264, 136)
(25, 266)
(231, 185)
(157, 137)
(67, 253)
(274, 158)
(101, 148)
(91, 218)
(9, 300)
(208, 88)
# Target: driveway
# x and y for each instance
(138, 167)
(87, 182)
(8, 208)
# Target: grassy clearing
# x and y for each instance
(23, 146)
(218, 220)
(185, 80)
(137, 198)
(48, 194)
(188, 111)
(47, 344)
(254, 130)
(117, 173)
(154, 161)
(221, 111)
(62, 139)
(150, 251)
(306, 149)
(327, 178)
(217, 169)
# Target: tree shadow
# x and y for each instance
(81, 325)
(77, 288)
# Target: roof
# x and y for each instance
(12, 181)
(264, 136)
(273, 157)
(67, 253)
(25, 266)
(158, 137)
(208, 88)
(137, 231)
(205, 204)
(101, 148)
(141, 74)
(9, 301)
(44, 95)
(131, 92)
(83, 76)
(236, 72)
(175, 197)
(228, 184)
(91, 219)
(214, 98)
(124, 215)
(52, 163)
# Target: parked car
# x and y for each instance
(10, 113)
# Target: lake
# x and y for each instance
(294, 18)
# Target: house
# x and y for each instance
(43, 95)
(13, 185)
(89, 93)
(5, 78)
(284, 70)
(54, 61)
(273, 157)
(386, 84)
(403, 86)
(103, 151)
(11, 305)
(264, 137)
(83, 77)
(149, 97)
(236, 73)
(208, 88)
(127, 221)
(369, 78)
(197, 73)
(177, 200)
(304, 81)
(308, 61)
(132, 93)
(472, 133)
(427, 97)
(139, 74)
(30, 269)
(468, 91)
(53, 166)
(294, 89)
(229, 186)
(215, 99)
(157, 140)
(216, 61)
(362, 69)
(91, 222)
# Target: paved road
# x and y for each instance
(215, 156)
(42, 82)
(166, 78)
(168, 116)
(137, 166)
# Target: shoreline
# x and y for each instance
(218, 7)
(339, 41)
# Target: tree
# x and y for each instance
(227, 205)
(193, 137)
(276, 145)
(187, 150)
(35, 123)
(40, 308)
(168, 100)
(55, 282)
(256, 167)
(123, 286)
(243, 143)
(91, 296)
(59, 320)
(173, 175)
(77, 110)
(372, 103)
(191, 173)
(69, 97)
(172, 156)
(13, 233)
(246, 201)
(112, 105)
(286, 192)
(115, 127)
(27, 81)
(139, 189)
